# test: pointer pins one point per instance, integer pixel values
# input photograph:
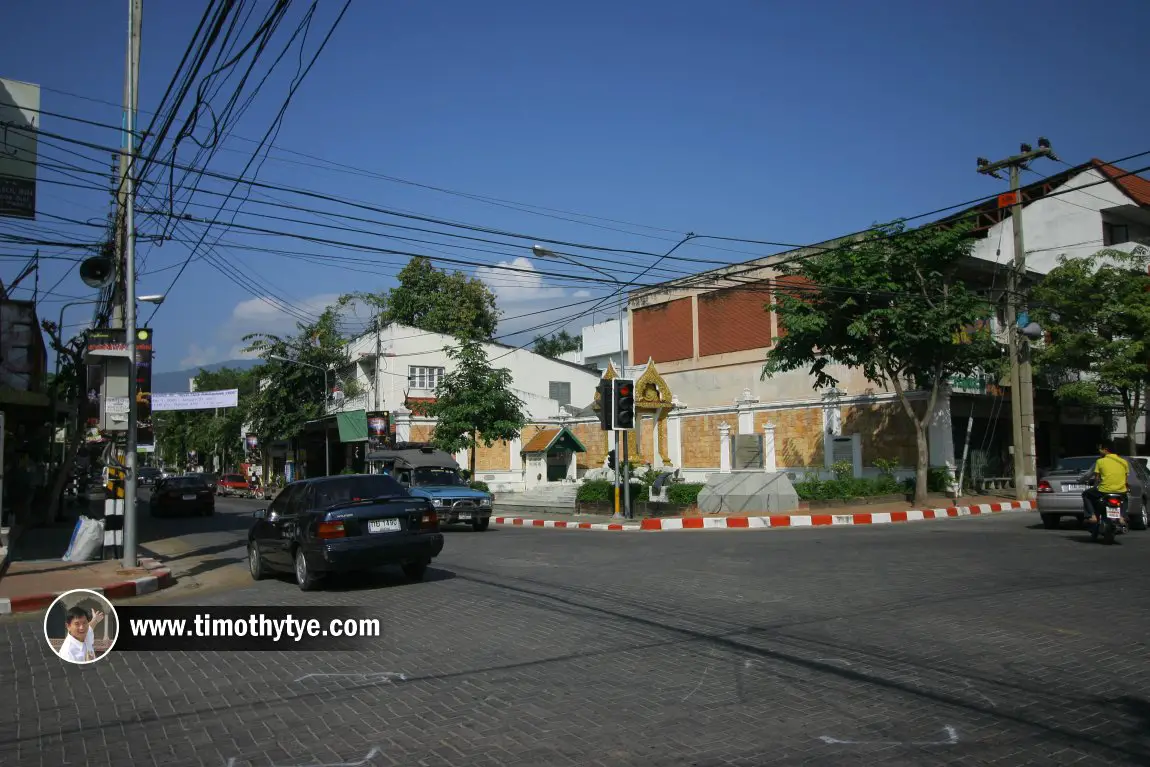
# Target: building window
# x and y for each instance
(1115, 234)
(424, 377)
(560, 391)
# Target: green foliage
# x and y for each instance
(1097, 313)
(843, 470)
(602, 491)
(436, 301)
(557, 344)
(891, 305)
(814, 489)
(938, 480)
(294, 393)
(885, 466)
(348, 470)
(482, 486)
(474, 401)
(596, 491)
(684, 493)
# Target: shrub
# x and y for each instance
(477, 485)
(885, 466)
(843, 470)
(684, 493)
(814, 489)
(938, 480)
(596, 491)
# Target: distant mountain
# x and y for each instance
(177, 380)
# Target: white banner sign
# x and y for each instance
(196, 400)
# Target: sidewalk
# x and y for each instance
(867, 514)
(32, 585)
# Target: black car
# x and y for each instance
(346, 523)
(188, 494)
(147, 476)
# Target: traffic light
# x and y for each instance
(623, 404)
(605, 411)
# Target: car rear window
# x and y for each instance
(187, 482)
(1078, 463)
(234, 478)
(361, 487)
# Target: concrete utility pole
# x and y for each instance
(378, 359)
(1021, 381)
(131, 458)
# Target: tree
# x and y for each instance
(67, 387)
(557, 344)
(891, 305)
(436, 301)
(1096, 311)
(474, 402)
(288, 394)
(208, 432)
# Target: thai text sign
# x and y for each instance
(195, 400)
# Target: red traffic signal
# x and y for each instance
(623, 405)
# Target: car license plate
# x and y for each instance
(382, 525)
(1073, 488)
(1113, 514)
(189, 497)
(465, 515)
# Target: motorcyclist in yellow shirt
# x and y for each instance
(1111, 470)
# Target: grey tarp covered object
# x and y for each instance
(742, 492)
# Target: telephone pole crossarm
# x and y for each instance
(1021, 374)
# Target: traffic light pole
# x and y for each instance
(620, 444)
(626, 480)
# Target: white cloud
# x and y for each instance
(198, 356)
(264, 315)
(582, 294)
(516, 287)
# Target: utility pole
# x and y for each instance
(1021, 378)
(621, 437)
(378, 359)
(131, 458)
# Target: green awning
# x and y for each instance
(352, 426)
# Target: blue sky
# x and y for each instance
(791, 122)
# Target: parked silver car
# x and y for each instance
(1060, 491)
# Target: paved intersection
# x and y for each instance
(953, 642)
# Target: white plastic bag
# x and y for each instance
(88, 541)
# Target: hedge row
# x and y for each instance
(602, 491)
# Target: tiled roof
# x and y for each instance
(540, 441)
(1135, 187)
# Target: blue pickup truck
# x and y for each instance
(435, 475)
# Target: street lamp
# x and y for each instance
(543, 252)
(326, 389)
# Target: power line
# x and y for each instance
(273, 128)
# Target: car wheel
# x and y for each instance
(304, 577)
(1051, 521)
(256, 562)
(415, 571)
(481, 524)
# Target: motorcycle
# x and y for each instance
(1112, 520)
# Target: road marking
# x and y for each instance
(951, 739)
(382, 675)
(374, 752)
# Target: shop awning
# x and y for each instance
(352, 426)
